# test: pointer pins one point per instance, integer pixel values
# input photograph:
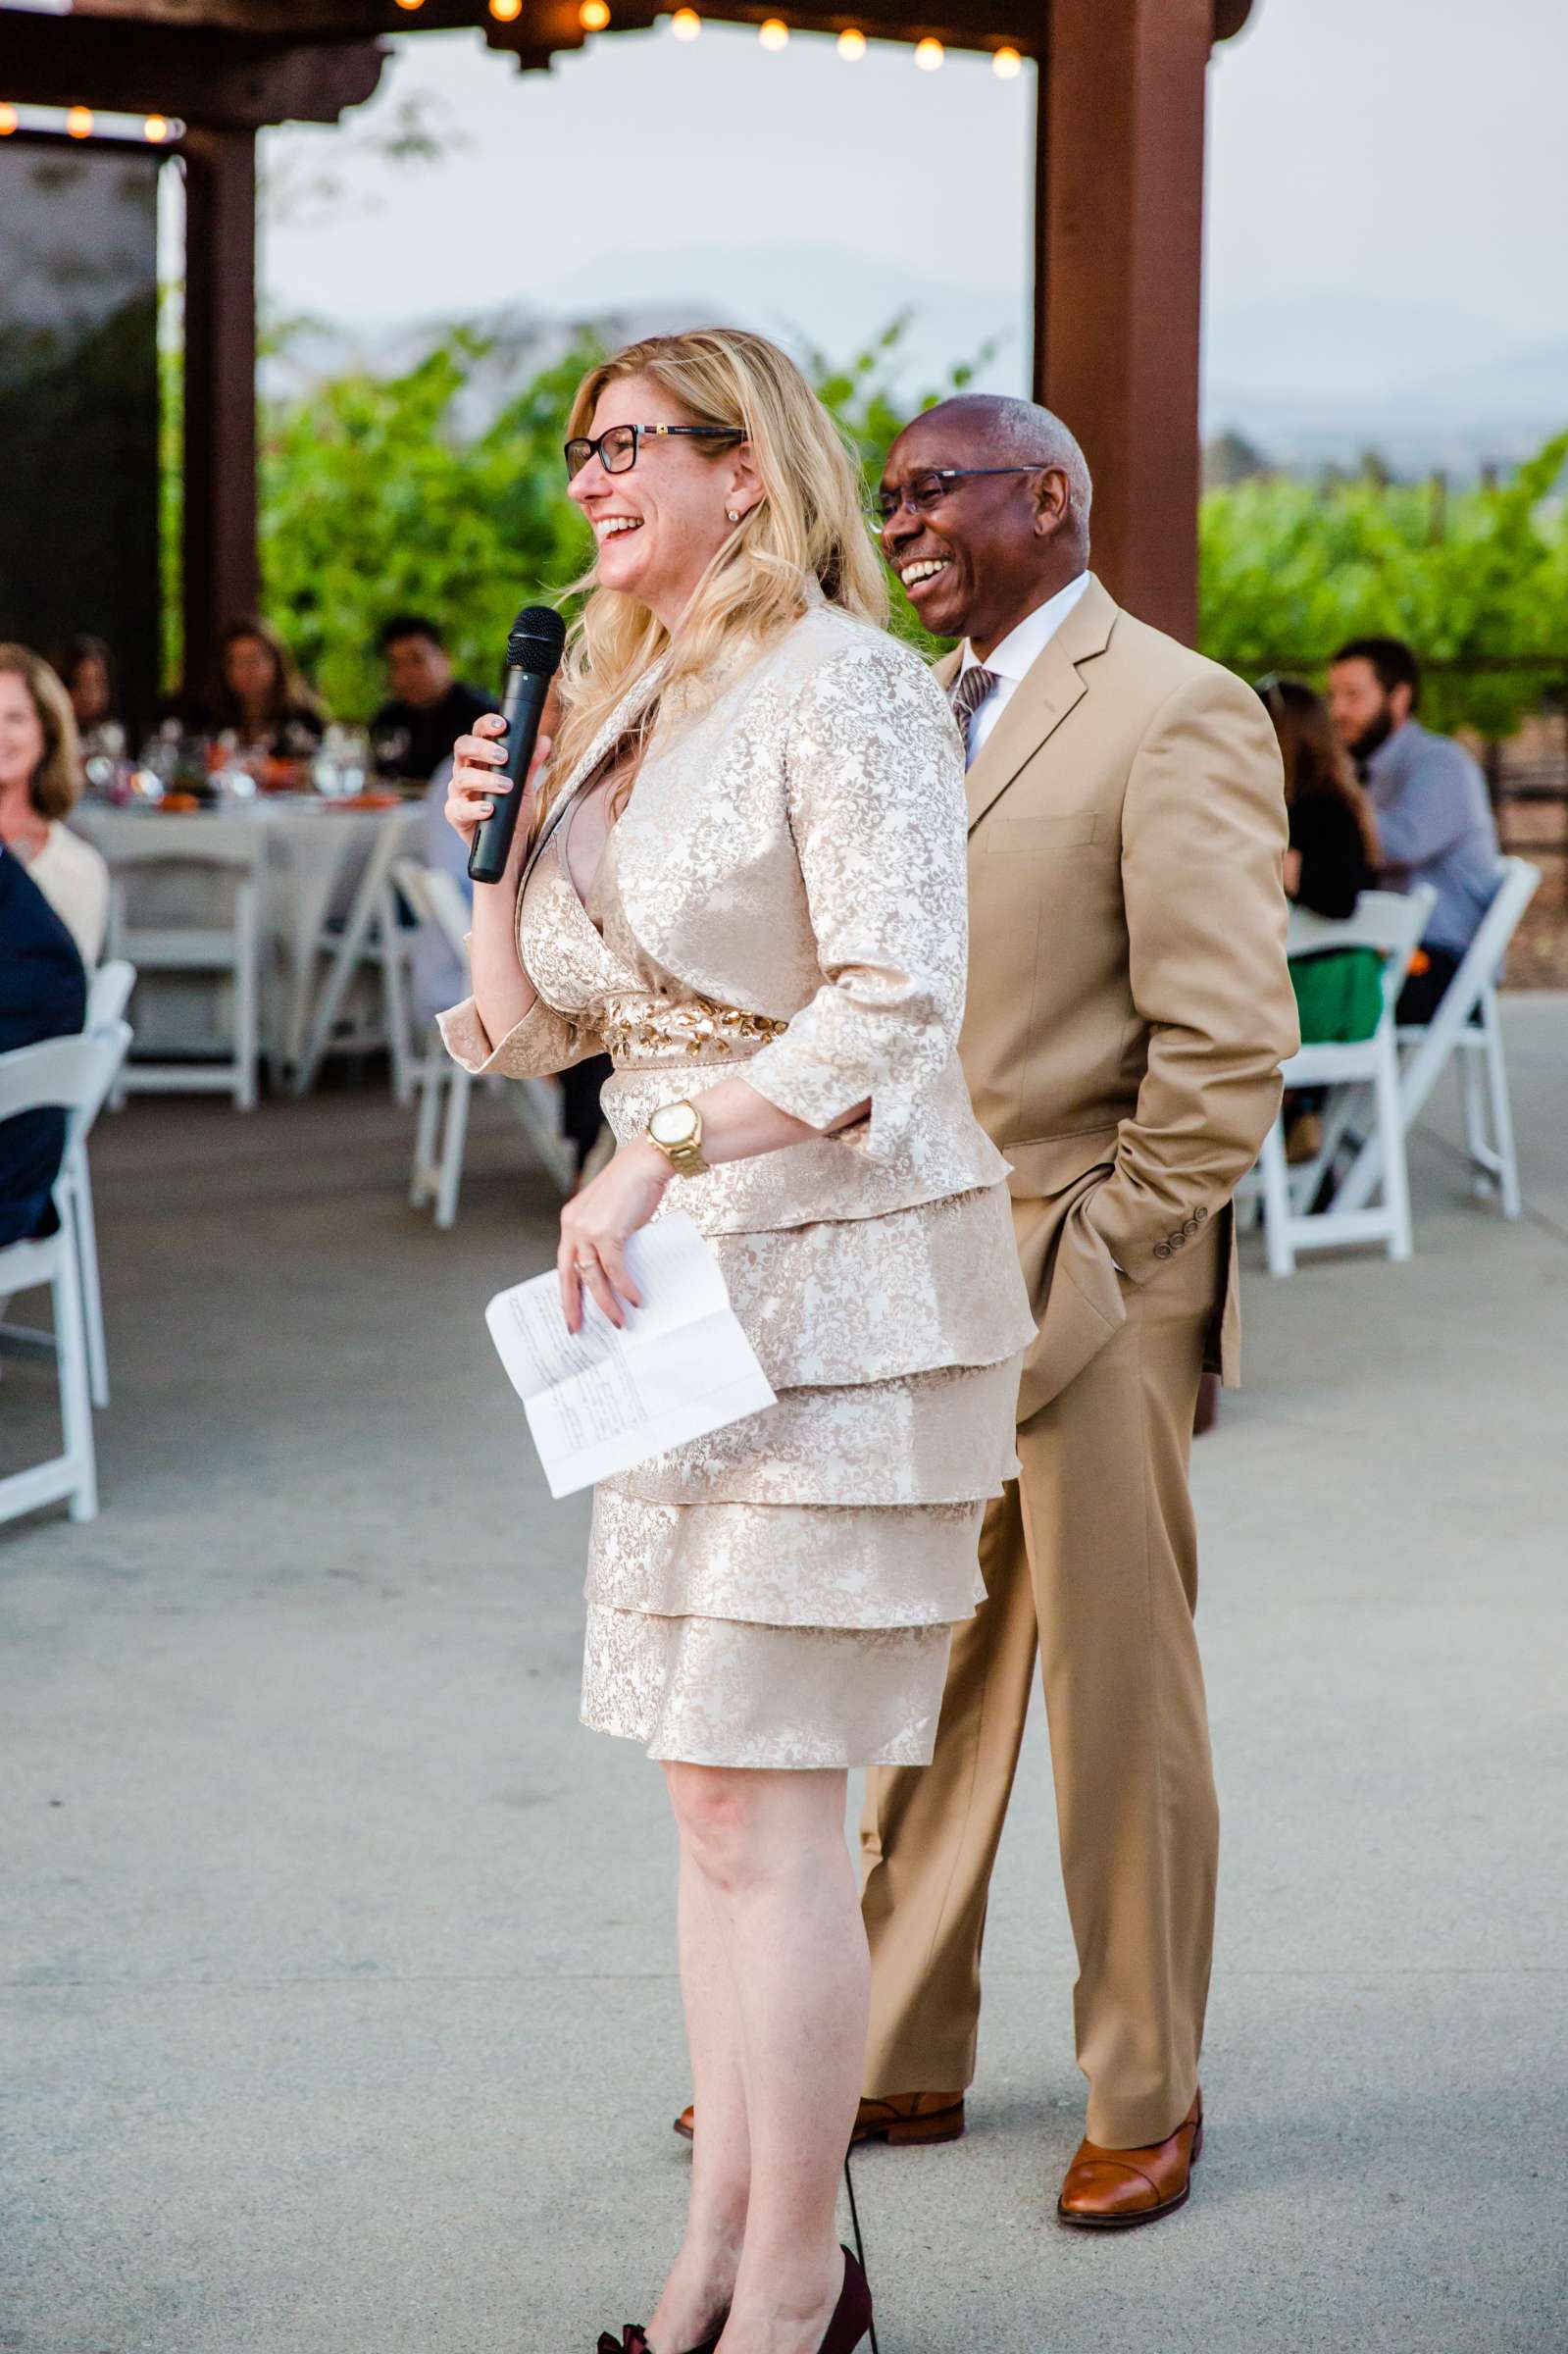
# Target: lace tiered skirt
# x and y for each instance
(783, 1593)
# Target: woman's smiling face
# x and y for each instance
(659, 524)
(22, 741)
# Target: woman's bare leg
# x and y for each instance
(768, 1850)
(702, 2279)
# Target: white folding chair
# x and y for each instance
(226, 951)
(1390, 923)
(370, 936)
(108, 991)
(108, 988)
(108, 994)
(444, 1087)
(1467, 1024)
(72, 1075)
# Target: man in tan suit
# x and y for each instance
(1129, 1009)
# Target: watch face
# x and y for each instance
(673, 1123)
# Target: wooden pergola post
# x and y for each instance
(221, 576)
(224, 68)
(1119, 257)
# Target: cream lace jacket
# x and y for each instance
(794, 848)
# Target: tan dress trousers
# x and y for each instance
(1090, 1556)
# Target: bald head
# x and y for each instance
(1007, 530)
(1017, 432)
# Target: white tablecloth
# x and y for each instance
(314, 854)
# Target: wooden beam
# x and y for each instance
(551, 25)
(221, 575)
(1119, 256)
(292, 19)
(271, 20)
(200, 76)
(956, 24)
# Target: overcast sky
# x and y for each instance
(1408, 151)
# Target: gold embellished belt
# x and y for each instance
(648, 1030)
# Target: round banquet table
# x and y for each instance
(314, 853)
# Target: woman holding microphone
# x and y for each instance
(739, 869)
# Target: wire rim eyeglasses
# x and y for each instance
(618, 449)
(927, 490)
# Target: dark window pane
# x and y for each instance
(78, 403)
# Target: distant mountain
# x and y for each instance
(1341, 346)
(1324, 380)
(1527, 386)
(521, 345)
(837, 300)
(1311, 384)
(806, 296)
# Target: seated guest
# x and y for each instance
(1332, 859)
(262, 696)
(1434, 821)
(429, 708)
(85, 669)
(43, 993)
(40, 783)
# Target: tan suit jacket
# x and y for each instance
(1130, 1004)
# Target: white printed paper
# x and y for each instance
(601, 1400)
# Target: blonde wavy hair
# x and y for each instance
(807, 527)
(57, 781)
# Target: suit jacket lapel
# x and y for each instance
(1041, 700)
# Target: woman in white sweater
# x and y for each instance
(40, 783)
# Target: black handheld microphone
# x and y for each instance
(532, 657)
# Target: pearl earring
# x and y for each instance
(734, 514)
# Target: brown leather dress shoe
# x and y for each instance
(1113, 2190)
(902, 2119)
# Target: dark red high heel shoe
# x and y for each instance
(851, 2315)
(848, 2328)
(634, 2341)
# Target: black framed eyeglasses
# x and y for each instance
(617, 450)
(927, 490)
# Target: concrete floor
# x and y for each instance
(335, 1985)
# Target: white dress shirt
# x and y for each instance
(1016, 654)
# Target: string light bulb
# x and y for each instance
(773, 34)
(506, 12)
(8, 121)
(78, 122)
(155, 130)
(929, 55)
(1007, 65)
(685, 24)
(851, 44)
(593, 15)
(410, 5)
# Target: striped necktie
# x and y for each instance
(968, 693)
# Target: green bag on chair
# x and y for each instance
(1339, 996)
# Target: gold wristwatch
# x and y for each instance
(677, 1130)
